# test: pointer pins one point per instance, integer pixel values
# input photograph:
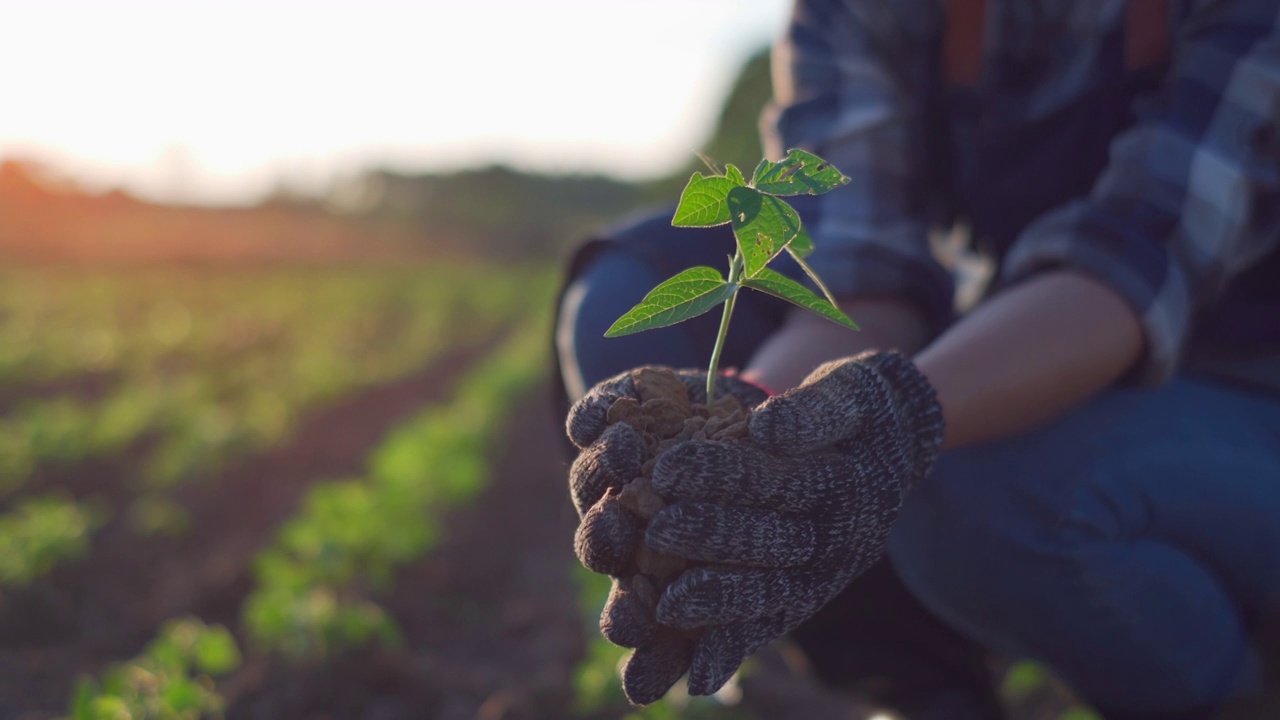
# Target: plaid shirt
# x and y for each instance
(1188, 199)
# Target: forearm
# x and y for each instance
(1028, 355)
(805, 341)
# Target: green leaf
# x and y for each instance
(110, 708)
(686, 295)
(760, 168)
(702, 204)
(802, 246)
(216, 652)
(763, 226)
(182, 696)
(780, 285)
(801, 173)
(735, 175)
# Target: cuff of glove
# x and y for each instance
(917, 400)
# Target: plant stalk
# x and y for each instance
(735, 272)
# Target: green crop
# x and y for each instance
(170, 680)
(764, 226)
(40, 532)
(350, 536)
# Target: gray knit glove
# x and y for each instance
(612, 454)
(777, 529)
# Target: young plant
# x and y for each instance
(764, 226)
(171, 680)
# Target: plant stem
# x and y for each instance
(735, 271)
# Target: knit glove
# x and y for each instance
(777, 528)
(608, 535)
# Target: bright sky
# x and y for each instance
(214, 100)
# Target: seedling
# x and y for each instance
(764, 226)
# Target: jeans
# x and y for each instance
(1130, 545)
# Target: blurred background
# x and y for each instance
(276, 282)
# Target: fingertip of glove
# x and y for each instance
(680, 605)
(606, 539)
(772, 425)
(721, 650)
(709, 671)
(589, 416)
(626, 621)
(586, 420)
(612, 460)
(650, 671)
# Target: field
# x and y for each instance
(302, 493)
(222, 489)
(298, 460)
(277, 463)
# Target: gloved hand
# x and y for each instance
(612, 454)
(779, 527)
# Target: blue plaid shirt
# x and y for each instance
(1186, 200)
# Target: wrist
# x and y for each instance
(805, 341)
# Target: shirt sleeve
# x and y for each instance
(1191, 194)
(851, 83)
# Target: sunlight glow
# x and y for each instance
(216, 101)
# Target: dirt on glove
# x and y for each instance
(664, 416)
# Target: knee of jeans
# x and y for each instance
(975, 533)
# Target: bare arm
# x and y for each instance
(1030, 354)
(1024, 357)
(806, 341)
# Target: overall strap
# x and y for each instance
(962, 45)
(1146, 38)
(1146, 34)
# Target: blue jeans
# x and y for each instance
(1132, 545)
(1129, 546)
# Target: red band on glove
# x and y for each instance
(749, 379)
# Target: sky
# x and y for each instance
(216, 101)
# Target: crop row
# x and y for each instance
(171, 679)
(187, 419)
(60, 323)
(240, 369)
(316, 585)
